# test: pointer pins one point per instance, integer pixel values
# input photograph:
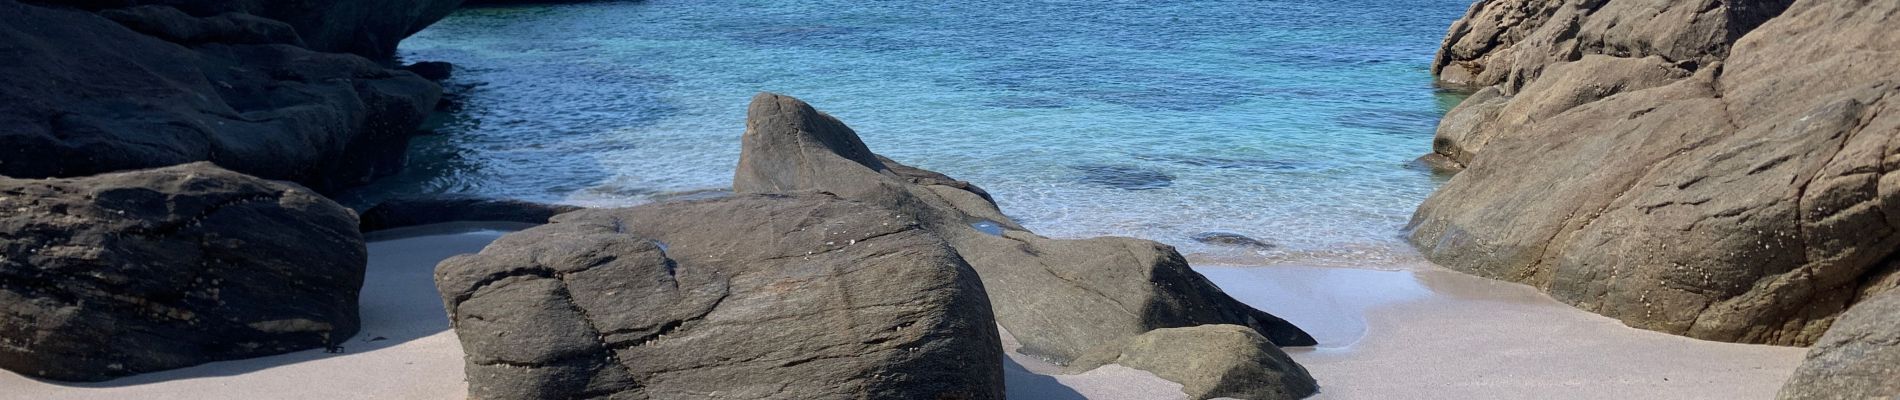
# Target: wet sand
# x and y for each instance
(1418, 333)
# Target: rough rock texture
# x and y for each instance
(134, 272)
(1061, 298)
(1211, 361)
(1488, 113)
(1510, 42)
(369, 28)
(1751, 201)
(82, 94)
(397, 213)
(1859, 358)
(749, 297)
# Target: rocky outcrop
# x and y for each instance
(1061, 298)
(754, 297)
(1750, 199)
(1211, 361)
(1859, 358)
(146, 87)
(133, 272)
(404, 212)
(1510, 42)
(368, 28)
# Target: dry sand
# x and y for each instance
(1423, 333)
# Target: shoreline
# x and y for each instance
(1381, 332)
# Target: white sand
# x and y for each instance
(1429, 333)
(1422, 333)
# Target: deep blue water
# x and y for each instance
(1288, 121)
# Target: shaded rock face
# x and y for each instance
(397, 213)
(1859, 358)
(808, 297)
(1211, 361)
(368, 28)
(125, 273)
(1751, 200)
(1510, 42)
(1061, 298)
(148, 87)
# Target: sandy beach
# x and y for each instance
(1417, 332)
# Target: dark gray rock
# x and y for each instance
(1859, 358)
(807, 297)
(1231, 239)
(1124, 177)
(82, 95)
(1061, 298)
(432, 70)
(397, 213)
(1211, 361)
(125, 273)
(368, 28)
(1747, 202)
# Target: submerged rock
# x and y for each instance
(1123, 177)
(397, 213)
(1746, 200)
(1231, 239)
(792, 297)
(1211, 361)
(153, 87)
(1061, 298)
(126, 273)
(1859, 358)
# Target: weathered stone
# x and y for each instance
(1859, 358)
(1510, 42)
(84, 95)
(397, 213)
(807, 297)
(1749, 202)
(1211, 361)
(134, 272)
(1061, 298)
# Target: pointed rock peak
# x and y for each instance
(783, 123)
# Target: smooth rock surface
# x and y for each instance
(808, 297)
(1061, 298)
(1752, 201)
(1859, 358)
(1211, 361)
(85, 94)
(142, 271)
(397, 213)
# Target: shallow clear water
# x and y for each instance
(1289, 121)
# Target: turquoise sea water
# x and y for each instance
(1289, 121)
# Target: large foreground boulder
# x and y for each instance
(1060, 298)
(84, 93)
(1752, 200)
(1859, 358)
(750, 297)
(134, 272)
